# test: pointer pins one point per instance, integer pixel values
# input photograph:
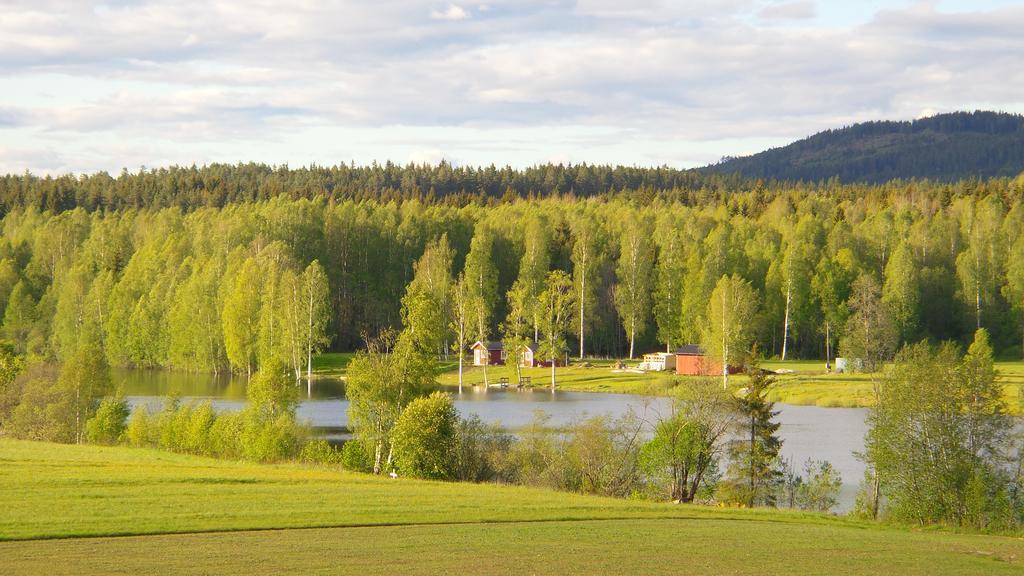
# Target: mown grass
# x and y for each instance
(808, 384)
(332, 363)
(193, 515)
(593, 375)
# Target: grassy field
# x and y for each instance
(176, 514)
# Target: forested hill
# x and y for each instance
(945, 147)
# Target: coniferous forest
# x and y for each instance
(219, 267)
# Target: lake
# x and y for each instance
(832, 434)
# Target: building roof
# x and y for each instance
(689, 350)
(491, 346)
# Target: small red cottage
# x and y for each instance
(690, 361)
(489, 354)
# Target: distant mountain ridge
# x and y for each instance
(944, 147)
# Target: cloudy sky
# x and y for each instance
(88, 86)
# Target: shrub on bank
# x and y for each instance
(109, 423)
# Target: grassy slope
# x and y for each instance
(405, 526)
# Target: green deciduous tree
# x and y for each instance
(688, 441)
(379, 384)
(316, 306)
(587, 257)
(870, 335)
(241, 317)
(729, 329)
(481, 290)
(633, 279)
(424, 438)
(668, 285)
(555, 304)
(938, 435)
(901, 291)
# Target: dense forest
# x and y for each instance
(945, 147)
(218, 185)
(213, 288)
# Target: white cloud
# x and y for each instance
(797, 10)
(652, 81)
(452, 12)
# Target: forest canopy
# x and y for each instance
(216, 284)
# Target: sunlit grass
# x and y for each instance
(195, 515)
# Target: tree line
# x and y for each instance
(219, 288)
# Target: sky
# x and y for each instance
(130, 84)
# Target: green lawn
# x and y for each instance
(809, 384)
(591, 376)
(196, 515)
(332, 363)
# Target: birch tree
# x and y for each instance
(980, 265)
(633, 280)
(1013, 290)
(668, 291)
(426, 305)
(481, 278)
(870, 334)
(460, 324)
(241, 318)
(533, 268)
(901, 290)
(729, 329)
(587, 257)
(317, 308)
(556, 304)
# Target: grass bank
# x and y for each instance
(195, 515)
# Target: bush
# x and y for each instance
(225, 434)
(140, 428)
(481, 451)
(46, 411)
(320, 452)
(270, 440)
(108, 425)
(355, 458)
(272, 390)
(423, 440)
(819, 490)
(196, 436)
(168, 436)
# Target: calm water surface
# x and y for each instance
(832, 434)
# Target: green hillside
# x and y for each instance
(196, 515)
(944, 147)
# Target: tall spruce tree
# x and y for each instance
(754, 471)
